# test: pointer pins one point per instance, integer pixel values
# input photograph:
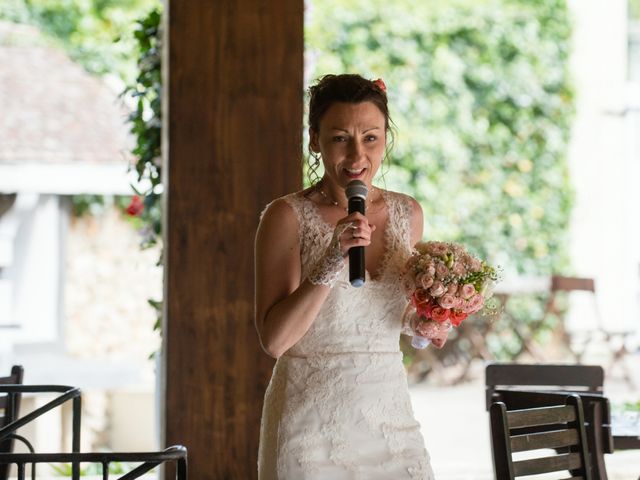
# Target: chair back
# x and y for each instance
(568, 284)
(558, 444)
(542, 377)
(9, 411)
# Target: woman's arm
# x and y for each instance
(285, 306)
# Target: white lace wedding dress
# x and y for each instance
(338, 406)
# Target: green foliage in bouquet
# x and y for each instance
(480, 94)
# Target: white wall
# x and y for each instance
(33, 265)
(605, 221)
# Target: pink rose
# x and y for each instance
(436, 248)
(437, 289)
(426, 328)
(475, 265)
(475, 303)
(458, 268)
(441, 270)
(440, 314)
(447, 301)
(467, 291)
(408, 284)
(419, 296)
(452, 288)
(413, 259)
(424, 280)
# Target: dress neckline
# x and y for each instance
(386, 236)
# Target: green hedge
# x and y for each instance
(480, 94)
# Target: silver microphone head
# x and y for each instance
(356, 188)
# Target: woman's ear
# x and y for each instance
(314, 144)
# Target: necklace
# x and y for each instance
(333, 202)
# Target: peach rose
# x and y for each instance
(457, 317)
(440, 314)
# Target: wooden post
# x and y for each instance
(232, 137)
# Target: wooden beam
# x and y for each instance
(232, 142)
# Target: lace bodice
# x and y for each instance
(365, 319)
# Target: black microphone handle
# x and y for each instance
(356, 254)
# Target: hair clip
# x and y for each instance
(380, 84)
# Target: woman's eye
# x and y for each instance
(338, 138)
(371, 138)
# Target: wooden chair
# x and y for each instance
(559, 440)
(543, 377)
(527, 386)
(578, 341)
(9, 411)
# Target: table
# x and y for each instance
(625, 428)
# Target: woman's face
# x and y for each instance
(352, 141)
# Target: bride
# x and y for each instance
(338, 405)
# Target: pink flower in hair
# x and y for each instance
(380, 84)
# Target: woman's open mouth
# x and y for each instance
(354, 173)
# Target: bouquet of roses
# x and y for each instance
(445, 284)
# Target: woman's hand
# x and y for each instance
(440, 340)
(354, 230)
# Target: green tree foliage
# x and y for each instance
(146, 122)
(95, 33)
(634, 9)
(481, 98)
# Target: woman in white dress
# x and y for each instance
(338, 405)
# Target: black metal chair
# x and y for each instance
(553, 436)
(9, 411)
(147, 460)
(529, 386)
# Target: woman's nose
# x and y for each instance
(357, 149)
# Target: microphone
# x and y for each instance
(356, 193)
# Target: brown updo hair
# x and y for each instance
(347, 88)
